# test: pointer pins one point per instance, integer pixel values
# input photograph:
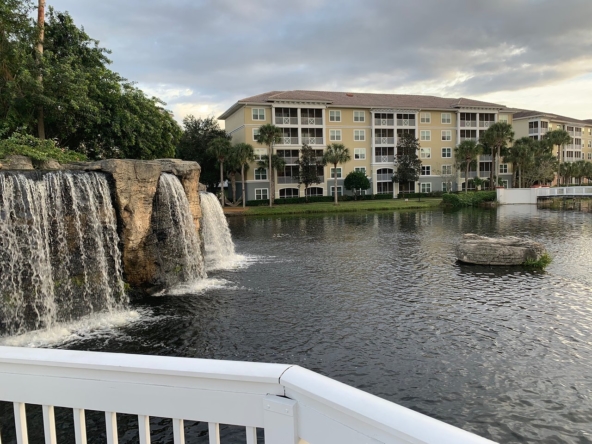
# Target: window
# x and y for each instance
(505, 183)
(255, 134)
(261, 174)
(426, 170)
(425, 153)
(334, 116)
(446, 119)
(446, 135)
(363, 169)
(359, 135)
(503, 168)
(260, 153)
(425, 135)
(426, 187)
(446, 170)
(288, 192)
(589, 143)
(589, 156)
(446, 152)
(335, 135)
(359, 153)
(338, 173)
(445, 187)
(502, 118)
(314, 191)
(258, 114)
(339, 191)
(425, 118)
(261, 194)
(359, 116)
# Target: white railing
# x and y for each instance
(292, 405)
(565, 191)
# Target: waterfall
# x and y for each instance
(217, 239)
(59, 255)
(179, 253)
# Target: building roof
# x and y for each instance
(364, 100)
(525, 114)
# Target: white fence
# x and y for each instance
(531, 195)
(291, 404)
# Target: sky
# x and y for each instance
(201, 56)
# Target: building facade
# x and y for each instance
(369, 125)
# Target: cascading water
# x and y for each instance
(217, 239)
(59, 256)
(180, 255)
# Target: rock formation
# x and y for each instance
(474, 249)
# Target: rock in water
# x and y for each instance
(481, 250)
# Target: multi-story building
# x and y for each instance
(536, 124)
(369, 125)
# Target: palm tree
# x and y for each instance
(270, 135)
(466, 154)
(220, 148)
(497, 137)
(243, 153)
(40, 39)
(520, 155)
(277, 163)
(336, 153)
(558, 137)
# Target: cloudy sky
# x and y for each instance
(201, 56)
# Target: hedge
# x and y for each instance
(298, 200)
(470, 199)
(417, 195)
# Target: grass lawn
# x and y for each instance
(343, 207)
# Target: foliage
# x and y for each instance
(558, 137)
(308, 168)
(438, 194)
(465, 156)
(356, 180)
(195, 141)
(240, 155)
(88, 108)
(269, 135)
(336, 153)
(36, 149)
(540, 263)
(533, 161)
(495, 141)
(220, 149)
(469, 199)
(409, 164)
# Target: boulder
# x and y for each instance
(17, 163)
(481, 250)
(49, 164)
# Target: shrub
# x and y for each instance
(470, 199)
(37, 149)
(298, 200)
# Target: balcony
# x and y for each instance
(384, 158)
(313, 140)
(533, 130)
(290, 160)
(287, 140)
(384, 122)
(388, 177)
(379, 140)
(286, 120)
(287, 179)
(405, 122)
(316, 121)
(485, 123)
(468, 123)
(474, 139)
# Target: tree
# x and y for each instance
(465, 154)
(408, 163)
(277, 163)
(308, 168)
(243, 153)
(197, 136)
(558, 137)
(270, 135)
(496, 139)
(336, 153)
(220, 149)
(356, 180)
(540, 166)
(520, 155)
(40, 38)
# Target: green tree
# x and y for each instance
(408, 163)
(197, 136)
(520, 155)
(220, 149)
(270, 135)
(541, 166)
(336, 153)
(243, 153)
(308, 168)
(277, 163)
(356, 180)
(496, 140)
(465, 155)
(558, 137)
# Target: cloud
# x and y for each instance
(225, 50)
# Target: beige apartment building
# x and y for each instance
(369, 125)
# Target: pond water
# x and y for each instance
(378, 301)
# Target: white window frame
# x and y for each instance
(503, 118)
(446, 135)
(258, 114)
(589, 156)
(505, 183)
(425, 118)
(424, 185)
(589, 143)
(445, 187)
(363, 169)
(339, 190)
(449, 152)
(339, 173)
(445, 168)
(333, 135)
(446, 119)
(260, 153)
(359, 153)
(427, 169)
(425, 135)
(259, 191)
(425, 153)
(503, 166)
(255, 174)
(359, 116)
(334, 115)
(255, 134)
(359, 135)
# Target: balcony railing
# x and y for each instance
(313, 140)
(462, 139)
(485, 123)
(384, 159)
(287, 179)
(533, 130)
(290, 160)
(384, 122)
(405, 122)
(311, 120)
(378, 140)
(286, 140)
(468, 123)
(384, 177)
(291, 404)
(286, 120)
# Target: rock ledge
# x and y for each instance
(481, 250)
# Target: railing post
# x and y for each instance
(279, 418)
